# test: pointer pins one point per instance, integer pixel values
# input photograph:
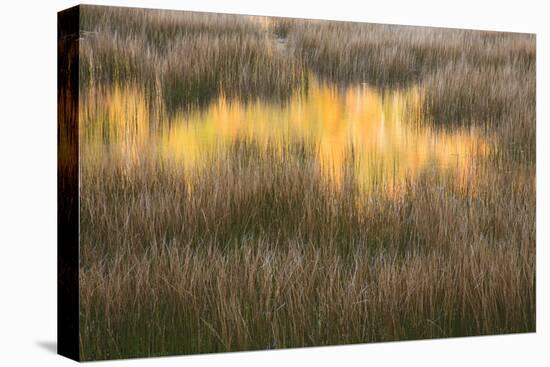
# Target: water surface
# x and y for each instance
(379, 136)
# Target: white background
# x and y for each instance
(28, 182)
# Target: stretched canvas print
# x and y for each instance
(232, 182)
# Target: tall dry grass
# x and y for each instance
(257, 251)
(184, 58)
(230, 261)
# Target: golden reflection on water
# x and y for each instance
(388, 141)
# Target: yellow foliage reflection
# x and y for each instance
(358, 131)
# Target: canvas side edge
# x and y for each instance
(68, 24)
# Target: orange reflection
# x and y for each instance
(358, 131)
(118, 119)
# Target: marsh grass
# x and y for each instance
(186, 58)
(258, 250)
(234, 262)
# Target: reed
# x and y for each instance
(232, 262)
